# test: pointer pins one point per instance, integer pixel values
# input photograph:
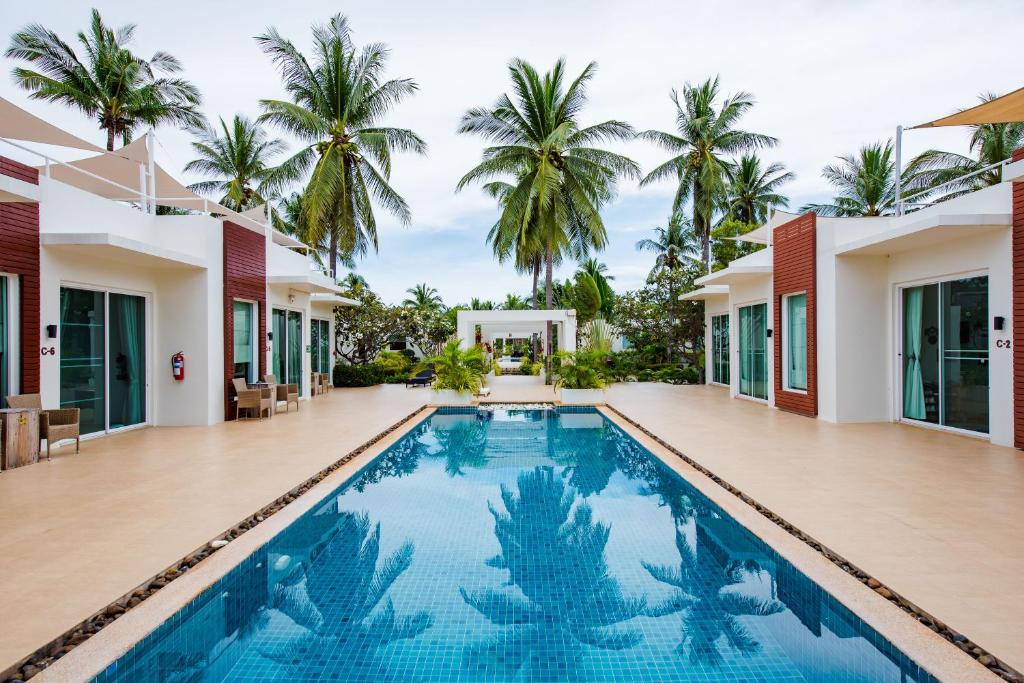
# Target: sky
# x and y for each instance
(827, 77)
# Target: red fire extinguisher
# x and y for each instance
(178, 366)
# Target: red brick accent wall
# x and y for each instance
(794, 270)
(1018, 313)
(19, 255)
(245, 277)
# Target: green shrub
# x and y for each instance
(580, 370)
(526, 367)
(392, 362)
(458, 369)
(645, 375)
(357, 375)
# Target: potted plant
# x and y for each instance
(580, 377)
(460, 374)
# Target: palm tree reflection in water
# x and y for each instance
(332, 607)
(711, 609)
(566, 599)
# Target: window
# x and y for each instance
(320, 345)
(752, 337)
(794, 342)
(720, 349)
(286, 349)
(245, 344)
(9, 336)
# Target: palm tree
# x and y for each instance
(706, 132)
(423, 298)
(513, 302)
(338, 101)
(544, 529)
(354, 282)
(865, 183)
(673, 244)
(476, 304)
(599, 273)
(120, 90)
(561, 180)
(703, 589)
(753, 193)
(990, 142)
(523, 247)
(291, 219)
(238, 157)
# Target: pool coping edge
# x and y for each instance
(923, 638)
(114, 630)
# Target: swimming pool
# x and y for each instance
(528, 545)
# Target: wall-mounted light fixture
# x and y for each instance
(999, 322)
(51, 331)
(769, 332)
(291, 298)
(270, 336)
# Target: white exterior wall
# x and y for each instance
(183, 301)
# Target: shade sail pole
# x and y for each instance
(899, 170)
(152, 172)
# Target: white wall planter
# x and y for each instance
(447, 397)
(582, 396)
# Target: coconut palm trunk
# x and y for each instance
(534, 304)
(549, 267)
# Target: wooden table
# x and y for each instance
(19, 437)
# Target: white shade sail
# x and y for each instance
(18, 124)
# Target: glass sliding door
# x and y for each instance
(286, 347)
(279, 344)
(83, 367)
(320, 345)
(753, 333)
(127, 367)
(295, 349)
(5, 345)
(945, 353)
(720, 349)
(103, 358)
(244, 357)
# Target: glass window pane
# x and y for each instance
(325, 346)
(314, 345)
(965, 378)
(921, 353)
(82, 356)
(5, 357)
(279, 345)
(295, 349)
(796, 341)
(243, 335)
(127, 333)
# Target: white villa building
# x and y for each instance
(906, 318)
(487, 326)
(98, 292)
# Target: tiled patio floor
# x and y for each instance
(81, 531)
(937, 517)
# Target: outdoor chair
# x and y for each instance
(420, 379)
(325, 383)
(315, 385)
(250, 399)
(54, 425)
(289, 393)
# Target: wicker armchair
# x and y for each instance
(289, 393)
(259, 399)
(54, 425)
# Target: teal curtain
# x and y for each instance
(294, 349)
(314, 344)
(5, 359)
(243, 319)
(796, 341)
(913, 384)
(280, 330)
(128, 352)
(746, 357)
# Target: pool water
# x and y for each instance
(542, 545)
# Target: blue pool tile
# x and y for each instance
(519, 545)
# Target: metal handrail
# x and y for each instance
(1004, 162)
